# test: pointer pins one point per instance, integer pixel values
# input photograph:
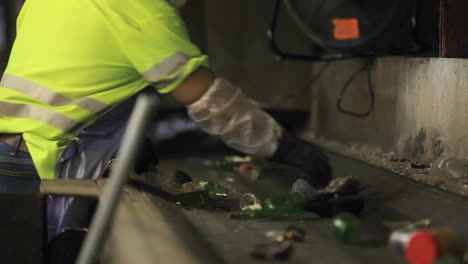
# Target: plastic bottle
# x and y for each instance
(451, 167)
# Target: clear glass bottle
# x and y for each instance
(451, 167)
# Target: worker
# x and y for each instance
(74, 71)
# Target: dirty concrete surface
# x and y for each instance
(391, 161)
(420, 106)
(211, 236)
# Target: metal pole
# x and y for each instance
(102, 220)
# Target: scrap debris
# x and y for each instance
(292, 233)
(302, 186)
(426, 246)
(194, 186)
(243, 166)
(216, 192)
(231, 163)
(282, 246)
(249, 201)
(275, 235)
(341, 195)
(295, 233)
(191, 186)
(341, 199)
(249, 170)
(202, 200)
(344, 185)
(203, 194)
(276, 208)
(247, 166)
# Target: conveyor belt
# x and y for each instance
(153, 230)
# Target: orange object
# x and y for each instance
(426, 246)
(422, 248)
(346, 28)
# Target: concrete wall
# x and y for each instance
(420, 103)
(234, 35)
(239, 50)
(421, 106)
(235, 38)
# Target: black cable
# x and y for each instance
(367, 67)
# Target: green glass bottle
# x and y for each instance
(283, 207)
(347, 228)
(216, 192)
(278, 208)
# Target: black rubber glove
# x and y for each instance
(306, 156)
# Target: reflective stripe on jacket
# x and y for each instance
(74, 60)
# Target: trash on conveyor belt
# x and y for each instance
(275, 235)
(181, 177)
(248, 170)
(302, 186)
(191, 186)
(248, 166)
(211, 196)
(243, 166)
(341, 195)
(276, 208)
(194, 186)
(338, 187)
(347, 228)
(426, 246)
(216, 192)
(344, 185)
(231, 163)
(249, 201)
(450, 167)
(201, 200)
(274, 251)
(292, 233)
(295, 233)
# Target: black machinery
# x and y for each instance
(363, 28)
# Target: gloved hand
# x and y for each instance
(306, 156)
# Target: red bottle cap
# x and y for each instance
(422, 248)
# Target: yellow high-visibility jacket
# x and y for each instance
(73, 60)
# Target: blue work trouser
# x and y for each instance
(17, 172)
